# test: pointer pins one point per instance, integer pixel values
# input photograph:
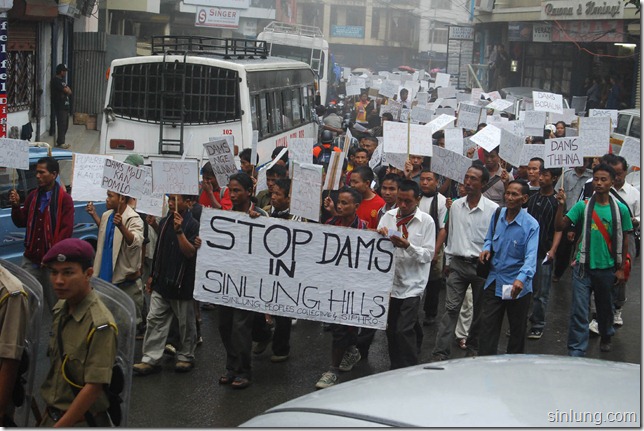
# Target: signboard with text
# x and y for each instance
(581, 10)
(216, 17)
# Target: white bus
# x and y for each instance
(194, 88)
(303, 43)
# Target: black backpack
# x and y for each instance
(324, 156)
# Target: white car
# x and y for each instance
(490, 391)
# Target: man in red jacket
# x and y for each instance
(48, 215)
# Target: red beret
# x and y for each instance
(70, 250)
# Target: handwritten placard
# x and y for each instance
(261, 185)
(122, 178)
(611, 113)
(397, 160)
(446, 92)
(475, 96)
(353, 90)
(454, 140)
(468, 116)
(88, 176)
(14, 153)
(511, 147)
(562, 152)
(150, 203)
(291, 263)
(442, 80)
(567, 117)
(420, 114)
(500, 105)
(594, 135)
(531, 151)
(253, 151)
(376, 157)
(422, 98)
(301, 150)
(222, 160)
(392, 108)
(631, 151)
(180, 177)
(389, 88)
(488, 137)
(441, 122)
(547, 102)
(396, 136)
(306, 191)
(450, 164)
(535, 122)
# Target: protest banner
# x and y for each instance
(300, 270)
(450, 164)
(454, 140)
(334, 171)
(221, 158)
(442, 80)
(531, 151)
(301, 150)
(389, 88)
(87, 177)
(446, 92)
(150, 203)
(122, 178)
(306, 191)
(612, 113)
(468, 116)
(499, 105)
(547, 102)
(488, 137)
(353, 90)
(14, 153)
(441, 122)
(511, 147)
(562, 152)
(631, 151)
(420, 114)
(177, 177)
(395, 134)
(535, 123)
(397, 160)
(594, 135)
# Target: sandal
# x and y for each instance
(240, 383)
(227, 379)
(462, 343)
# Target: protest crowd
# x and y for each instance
(448, 193)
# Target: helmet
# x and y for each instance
(326, 137)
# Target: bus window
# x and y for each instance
(287, 109)
(635, 127)
(264, 114)
(297, 108)
(276, 110)
(254, 113)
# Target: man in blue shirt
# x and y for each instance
(512, 245)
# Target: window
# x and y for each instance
(375, 23)
(20, 80)
(635, 128)
(622, 124)
(355, 16)
(152, 92)
(440, 36)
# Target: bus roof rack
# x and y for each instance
(296, 29)
(204, 45)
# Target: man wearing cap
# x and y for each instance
(60, 93)
(48, 215)
(83, 344)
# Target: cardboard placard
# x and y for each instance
(334, 171)
(631, 151)
(594, 136)
(220, 155)
(389, 88)
(420, 114)
(441, 122)
(612, 113)
(87, 177)
(450, 164)
(150, 203)
(469, 116)
(535, 123)
(300, 150)
(396, 137)
(14, 153)
(562, 152)
(306, 191)
(531, 151)
(488, 138)
(442, 80)
(547, 102)
(180, 177)
(511, 147)
(454, 140)
(122, 178)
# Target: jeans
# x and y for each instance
(541, 291)
(600, 283)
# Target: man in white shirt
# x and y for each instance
(468, 223)
(413, 234)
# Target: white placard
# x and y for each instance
(594, 136)
(535, 122)
(612, 113)
(14, 153)
(454, 140)
(563, 152)
(450, 164)
(253, 146)
(404, 114)
(150, 203)
(446, 92)
(221, 158)
(631, 151)
(531, 151)
(346, 72)
(488, 137)
(567, 117)
(436, 103)
(450, 103)
(511, 147)
(300, 150)
(261, 185)
(88, 176)
(396, 136)
(445, 111)
(306, 191)
(469, 116)
(334, 171)
(391, 107)
(571, 131)
(284, 269)
(500, 105)
(353, 90)
(122, 178)
(547, 102)
(442, 80)
(422, 98)
(389, 88)
(475, 96)
(517, 127)
(177, 177)
(441, 122)
(420, 114)
(397, 160)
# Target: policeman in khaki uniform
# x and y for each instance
(14, 313)
(83, 344)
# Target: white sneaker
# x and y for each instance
(350, 359)
(617, 317)
(328, 379)
(594, 327)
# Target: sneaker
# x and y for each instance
(328, 379)
(594, 327)
(170, 350)
(279, 358)
(183, 366)
(64, 146)
(261, 346)
(604, 345)
(199, 341)
(145, 369)
(535, 334)
(617, 317)
(350, 359)
(293, 322)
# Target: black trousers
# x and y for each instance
(402, 337)
(282, 335)
(494, 308)
(62, 124)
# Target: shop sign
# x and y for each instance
(541, 32)
(589, 31)
(354, 31)
(216, 17)
(581, 9)
(519, 31)
(461, 33)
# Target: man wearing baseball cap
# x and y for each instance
(83, 346)
(60, 93)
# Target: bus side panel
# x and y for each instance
(266, 146)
